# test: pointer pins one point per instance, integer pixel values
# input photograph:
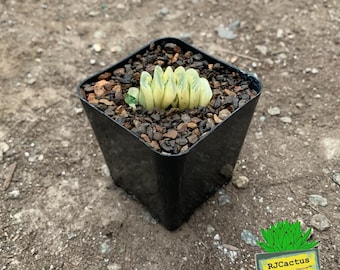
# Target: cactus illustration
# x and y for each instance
(285, 236)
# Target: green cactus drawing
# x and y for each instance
(285, 236)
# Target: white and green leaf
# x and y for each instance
(205, 93)
(157, 86)
(183, 94)
(169, 88)
(146, 97)
(132, 97)
(194, 87)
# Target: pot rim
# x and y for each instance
(247, 75)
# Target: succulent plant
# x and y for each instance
(285, 236)
(180, 88)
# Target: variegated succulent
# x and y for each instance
(182, 89)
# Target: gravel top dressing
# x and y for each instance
(169, 131)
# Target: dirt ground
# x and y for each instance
(60, 209)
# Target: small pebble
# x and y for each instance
(114, 266)
(274, 110)
(317, 200)
(155, 145)
(311, 70)
(286, 119)
(241, 182)
(314, 70)
(4, 147)
(182, 127)
(155, 116)
(181, 141)
(320, 222)
(249, 238)
(164, 11)
(65, 143)
(281, 57)
(242, 102)
(336, 178)
(97, 47)
(98, 34)
(217, 237)
(210, 124)
(145, 138)
(262, 49)
(217, 119)
(279, 33)
(258, 28)
(234, 25)
(157, 136)
(105, 170)
(258, 135)
(93, 13)
(116, 49)
(192, 125)
(166, 146)
(225, 32)
(184, 148)
(92, 61)
(185, 118)
(105, 248)
(14, 194)
(223, 114)
(262, 118)
(31, 81)
(78, 110)
(192, 138)
(300, 131)
(71, 235)
(172, 133)
(210, 229)
(233, 59)
(120, 6)
(223, 199)
(32, 158)
(269, 61)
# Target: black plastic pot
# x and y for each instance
(171, 186)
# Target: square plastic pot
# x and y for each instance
(171, 186)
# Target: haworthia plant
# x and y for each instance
(180, 88)
(285, 236)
